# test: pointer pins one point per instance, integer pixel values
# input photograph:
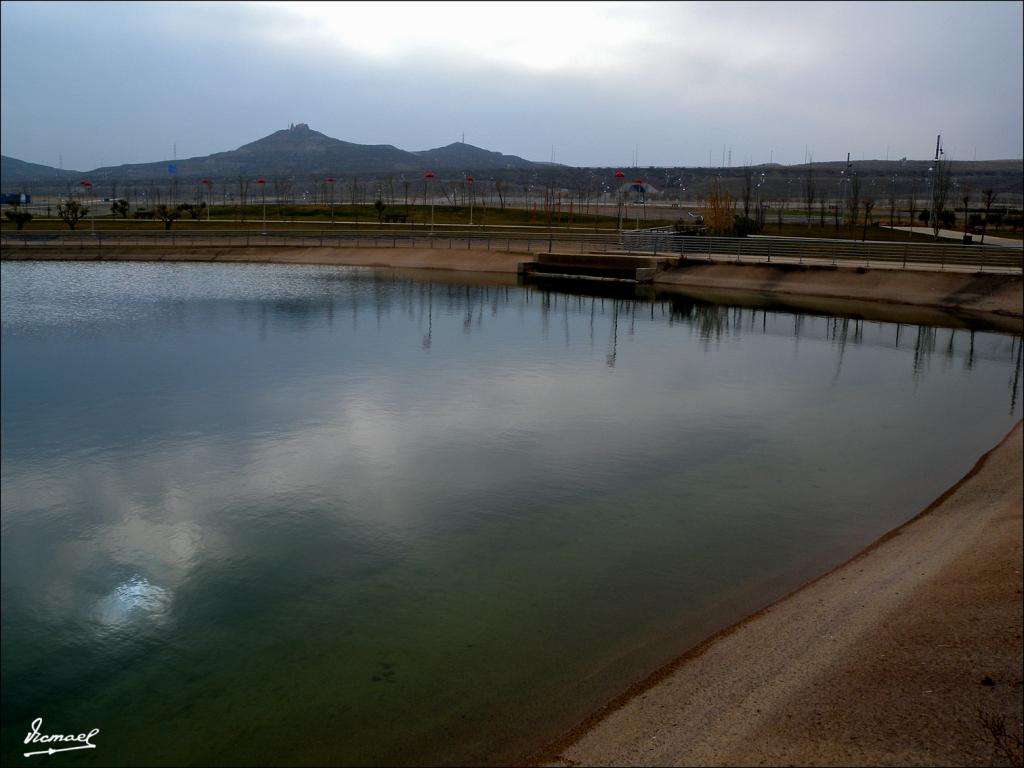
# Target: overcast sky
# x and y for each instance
(110, 83)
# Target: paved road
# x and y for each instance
(949, 234)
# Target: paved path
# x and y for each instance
(950, 234)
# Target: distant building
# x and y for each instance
(15, 198)
(640, 188)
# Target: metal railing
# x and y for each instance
(657, 242)
(816, 250)
(529, 239)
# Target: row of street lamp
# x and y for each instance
(331, 180)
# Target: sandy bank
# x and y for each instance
(988, 298)
(887, 660)
(395, 258)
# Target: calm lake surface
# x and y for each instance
(265, 514)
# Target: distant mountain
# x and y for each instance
(14, 172)
(464, 156)
(305, 155)
(297, 151)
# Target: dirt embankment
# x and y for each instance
(983, 296)
(908, 654)
(395, 258)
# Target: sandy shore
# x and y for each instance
(887, 660)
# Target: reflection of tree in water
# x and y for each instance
(837, 330)
(711, 321)
(613, 344)
(384, 293)
(924, 346)
(428, 337)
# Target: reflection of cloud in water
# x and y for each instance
(134, 605)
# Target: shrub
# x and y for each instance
(72, 212)
(746, 226)
(19, 217)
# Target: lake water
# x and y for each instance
(265, 514)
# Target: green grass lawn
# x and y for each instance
(309, 216)
(418, 218)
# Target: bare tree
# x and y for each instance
(283, 192)
(167, 215)
(809, 188)
(868, 202)
(913, 206)
(760, 213)
(501, 196)
(720, 210)
(965, 198)
(243, 196)
(748, 189)
(821, 213)
(988, 197)
(449, 195)
(892, 203)
(19, 217)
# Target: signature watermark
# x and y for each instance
(81, 740)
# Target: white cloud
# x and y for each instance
(539, 37)
(593, 79)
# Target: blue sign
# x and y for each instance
(172, 167)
